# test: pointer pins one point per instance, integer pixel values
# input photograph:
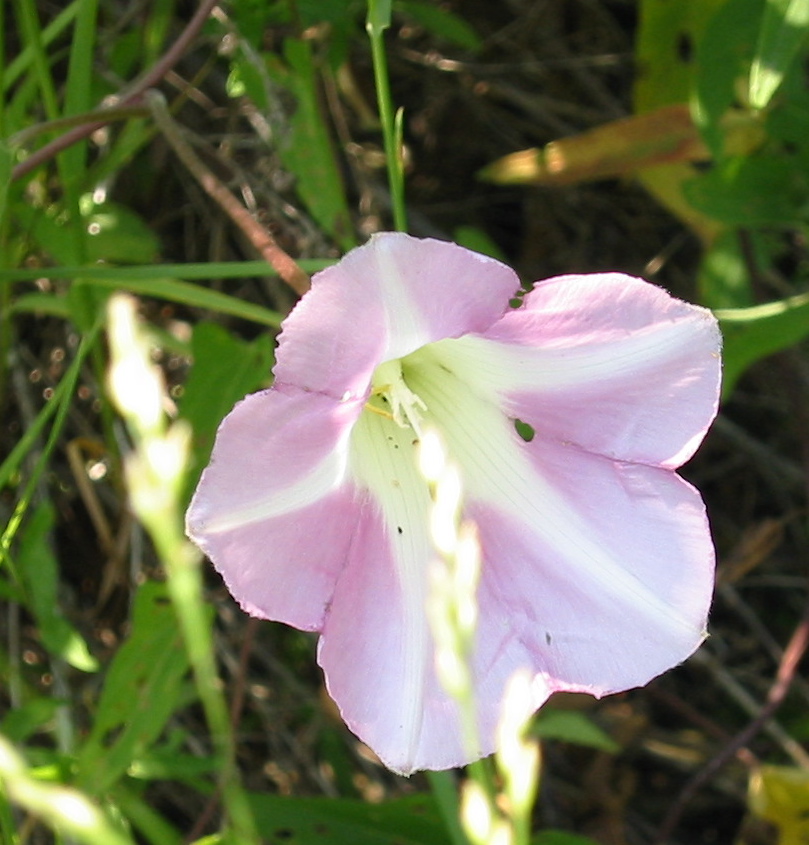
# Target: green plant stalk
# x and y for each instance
(377, 22)
(155, 473)
(445, 791)
(182, 563)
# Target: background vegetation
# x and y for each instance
(138, 703)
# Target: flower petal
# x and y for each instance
(608, 362)
(273, 510)
(383, 300)
(610, 561)
(376, 649)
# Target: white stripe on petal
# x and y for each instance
(323, 479)
(498, 471)
(383, 461)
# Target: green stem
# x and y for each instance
(445, 791)
(377, 22)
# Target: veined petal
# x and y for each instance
(607, 362)
(578, 550)
(376, 650)
(274, 508)
(382, 301)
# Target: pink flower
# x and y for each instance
(597, 559)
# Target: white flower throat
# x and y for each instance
(405, 406)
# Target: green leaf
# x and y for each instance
(41, 575)
(753, 333)
(665, 50)
(440, 22)
(308, 151)
(477, 240)
(178, 291)
(724, 278)
(723, 57)
(572, 726)
(759, 191)
(18, 724)
(283, 820)
(225, 369)
(145, 684)
(782, 34)
(116, 234)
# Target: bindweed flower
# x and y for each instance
(567, 417)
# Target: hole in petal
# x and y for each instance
(524, 430)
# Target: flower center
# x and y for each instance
(405, 406)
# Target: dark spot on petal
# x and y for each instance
(524, 430)
(548, 637)
(400, 529)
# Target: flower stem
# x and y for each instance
(377, 22)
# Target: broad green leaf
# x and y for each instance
(782, 34)
(665, 50)
(308, 151)
(572, 726)
(753, 333)
(225, 369)
(283, 820)
(145, 684)
(665, 56)
(40, 571)
(723, 58)
(758, 191)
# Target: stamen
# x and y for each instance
(406, 406)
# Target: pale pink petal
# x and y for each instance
(377, 657)
(608, 362)
(274, 508)
(383, 300)
(613, 608)
(576, 542)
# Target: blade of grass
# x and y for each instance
(58, 404)
(211, 270)
(79, 83)
(19, 65)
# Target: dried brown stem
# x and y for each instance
(786, 671)
(261, 239)
(128, 97)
